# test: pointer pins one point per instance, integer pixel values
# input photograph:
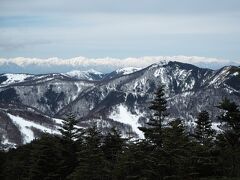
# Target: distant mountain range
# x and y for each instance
(106, 65)
(31, 104)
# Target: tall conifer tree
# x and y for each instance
(69, 130)
(229, 139)
(205, 158)
(204, 133)
(71, 139)
(153, 131)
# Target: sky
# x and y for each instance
(96, 29)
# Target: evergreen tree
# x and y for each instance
(137, 162)
(177, 150)
(230, 120)
(154, 135)
(16, 165)
(113, 145)
(204, 152)
(71, 139)
(153, 131)
(45, 158)
(2, 161)
(204, 133)
(69, 130)
(229, 139)
(2, 158)
(91, 162)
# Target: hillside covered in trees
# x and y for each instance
(168, 151)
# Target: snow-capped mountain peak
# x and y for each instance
(93, 71)
(86, 75)
(160, 63)
(127, 70)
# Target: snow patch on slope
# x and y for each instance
(7, 143)
(124, 116)
(25, 128)
(236, 74)
(221, 76)
(15, 78)
(58, 121)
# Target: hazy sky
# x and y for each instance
(120, 28)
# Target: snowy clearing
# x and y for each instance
(124, 116)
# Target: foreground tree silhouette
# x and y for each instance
(229, 139)
(154, 134)
(177, 150)
(71, 139)
(45, 159)
(204, 152)
(113, 145)
(137, 162)
(204, 133)
(2, 160)
(91, 161)
(153, 131)
(17, 163)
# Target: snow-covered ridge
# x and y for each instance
(90, 71)
(15, 78)
(221, 77)
(50, 64)
(160, 63)
(83, 74)
(127, 70)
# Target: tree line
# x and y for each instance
(168, 151)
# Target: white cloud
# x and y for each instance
(112, 63)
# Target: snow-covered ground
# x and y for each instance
(15, 78)
(124, 116)
(25, 128)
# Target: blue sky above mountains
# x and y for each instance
(120, 29)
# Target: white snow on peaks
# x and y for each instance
(25, 128)
(163, 62)
(127, 70)
(124, 116)
(236, 74)
(26, 64)
(14, 78)
(90, 71)
(221, 76)
(160, 63)
(83, 74)
(161, 73)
